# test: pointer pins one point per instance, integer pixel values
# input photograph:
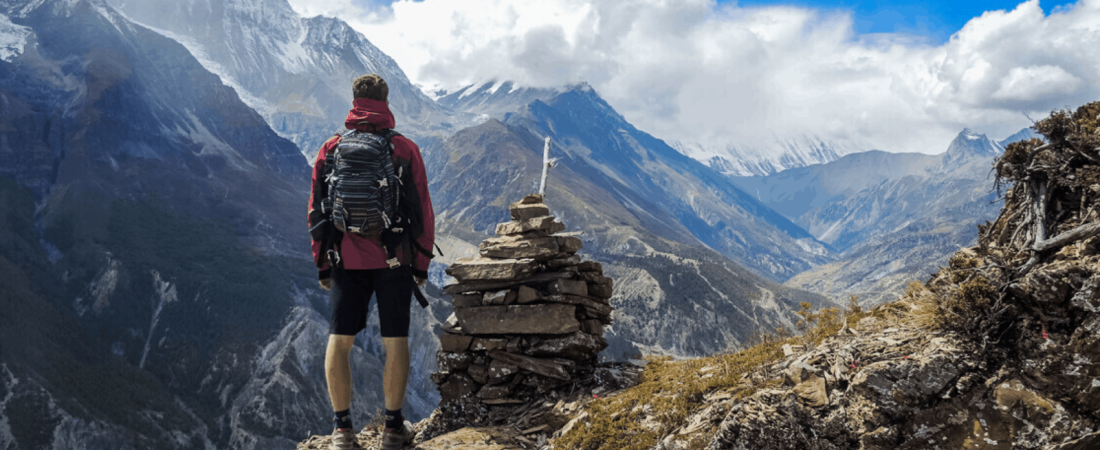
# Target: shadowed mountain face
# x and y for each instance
(157, 291)
(295, 71)
(895, 217)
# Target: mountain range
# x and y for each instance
(295, 71)
(156, 291)
(155, 287)
(893, 218)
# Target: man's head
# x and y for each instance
(370, 86)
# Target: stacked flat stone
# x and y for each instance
(529, 313)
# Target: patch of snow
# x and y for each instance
(109, 15)
(165, 294)
(470, 90)
(13, 39)
(211, 145)
(496, 87)
(104, 285)
(199, 53)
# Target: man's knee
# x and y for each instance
(340, 345)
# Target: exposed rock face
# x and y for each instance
(529, 316)
(519, 310)
(1016, 358)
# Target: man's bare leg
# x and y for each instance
(395, 376)
(338, 370)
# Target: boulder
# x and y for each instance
(486, 344)
(482, 285)
(544, 224)
(603, 291)
(501, 372)
(499, 298)
(524, 211)
(569, 244)
(458, 386)
(592, 326)
(577, 346)
(572, 287)
(468, 269)
(453, 362)
(479, 373)
(590, 266)
(534, 365)
(531, 199)
(454, 343)
(527, 294)
(466, 300)
(811, 392)
(598, 309)
(519, 319)
(518, 247)
(569, 261)
(494, 392)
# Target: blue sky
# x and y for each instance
(935, 20)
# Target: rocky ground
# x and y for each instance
(999, 350)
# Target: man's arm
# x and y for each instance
(419, 196)
(317, 218)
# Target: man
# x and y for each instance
(353, 267)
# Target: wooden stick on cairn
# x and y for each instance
(546, 163)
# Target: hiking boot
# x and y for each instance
(344, 440)
(395, 439)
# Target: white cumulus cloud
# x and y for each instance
(696, 71)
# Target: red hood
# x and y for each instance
(369, 114)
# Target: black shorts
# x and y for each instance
(351, 293)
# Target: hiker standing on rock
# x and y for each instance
(372, 226)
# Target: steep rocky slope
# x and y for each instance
(157, 291)
(998, 350)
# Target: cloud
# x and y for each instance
(1036, 83)
(697, 71)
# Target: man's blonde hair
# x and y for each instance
(370, 86)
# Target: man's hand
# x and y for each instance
(420, 282)
(326, 284)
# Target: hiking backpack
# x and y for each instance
(365, 186)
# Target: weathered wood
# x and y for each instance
(540, 366)
(1082, 232)
(546, 163)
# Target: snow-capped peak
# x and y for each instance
(13, 38)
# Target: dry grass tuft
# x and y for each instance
(671, 391)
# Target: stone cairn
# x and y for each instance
(529, 313)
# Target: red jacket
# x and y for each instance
(360, 253)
